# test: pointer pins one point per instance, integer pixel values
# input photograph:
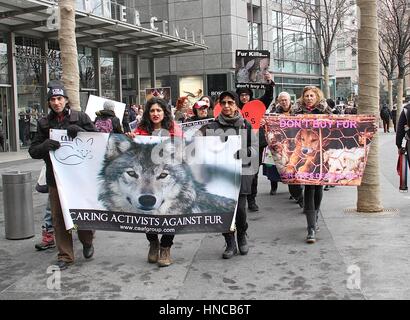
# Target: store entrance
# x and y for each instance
(4, 118)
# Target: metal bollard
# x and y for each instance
(18, 205)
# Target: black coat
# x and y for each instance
(249, 147)
(44, 125)
(104, 114)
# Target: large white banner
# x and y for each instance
(147, 184)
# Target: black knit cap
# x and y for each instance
(231, 94)
(56, 88)
(245, 90)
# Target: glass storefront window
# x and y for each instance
(127, 79)
(86, 67)
(55, 67)
(108, 75)
(29, 66)
(4, 69)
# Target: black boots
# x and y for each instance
(231, 248)
(273, 187)
(242, 243)
(311, 217)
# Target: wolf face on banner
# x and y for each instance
(132, 182)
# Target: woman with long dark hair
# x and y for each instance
(157, 121)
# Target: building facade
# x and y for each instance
(127, 46)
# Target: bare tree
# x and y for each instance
(325, 20)
(387, 55)
(68, 47)
(394, 16)
(368, 196)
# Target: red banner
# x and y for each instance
(320, 149)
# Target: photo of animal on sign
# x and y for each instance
(144, 184)
(320, 149)
(251, 68)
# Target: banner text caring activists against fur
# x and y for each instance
(149, 184)
(320, 149)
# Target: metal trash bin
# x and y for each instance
(18, 205)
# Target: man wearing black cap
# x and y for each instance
(246, 95)
(60, 117)
(231, 122)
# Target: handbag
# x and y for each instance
(41, 185)
(402, 171)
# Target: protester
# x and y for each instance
(312, 102)
(61, 116)
(245, 96)
(209, 102)
(200, 110)
(181, 109)
(230, 121)
(47, 231)
(106, 121)
(394, 117)
(403, 131)
(284, 107)
(157, 121)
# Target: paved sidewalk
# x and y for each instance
(356, 256)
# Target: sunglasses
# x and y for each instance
(229, 102)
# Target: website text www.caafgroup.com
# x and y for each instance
(146, 229)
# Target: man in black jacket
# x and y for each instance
(246, 95)
(60, 117)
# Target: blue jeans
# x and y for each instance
(47, 222)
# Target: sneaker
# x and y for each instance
(242, 243)
(47, 241)
(311, 237)
(253, 207)
(62, 265)
(88, 251)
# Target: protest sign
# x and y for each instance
(320, 149)
(96, 103)
(146, 184)
(251, 67)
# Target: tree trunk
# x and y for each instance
(68, 47)
(368, 196)
(399, 96)
(326, 89)
(390, 92)
(390, 97)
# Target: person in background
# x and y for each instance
(210, 103)
(394, 117)
(403, 132)
(106, 121)
(200, 110)
(311, 102)
(385, 116)
(157, 121)
(61, 116)
(284, 106)
(181, 109)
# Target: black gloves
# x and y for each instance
(49, 145)
(73, 129)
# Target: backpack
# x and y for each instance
(104, 125)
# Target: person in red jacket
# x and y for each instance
(157, 120)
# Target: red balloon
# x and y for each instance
(253, 111)
(217, 110)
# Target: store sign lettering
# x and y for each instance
(91, 5)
